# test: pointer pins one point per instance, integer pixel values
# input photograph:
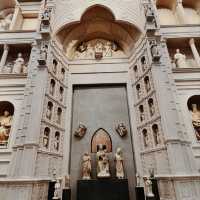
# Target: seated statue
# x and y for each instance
(5, 126)
(18, 64)
(196, 120)
(86, 166)
(180, 59)
(102, 163)
(119, 163)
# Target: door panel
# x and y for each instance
(100, 107)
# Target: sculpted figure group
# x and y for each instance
(102, 163)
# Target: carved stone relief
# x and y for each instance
(98, 49)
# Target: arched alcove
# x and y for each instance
(97, 23)
(101, 137)
(6, 118)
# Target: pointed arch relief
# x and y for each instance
(101, 137)
(98, 35)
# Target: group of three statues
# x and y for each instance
(103, 166)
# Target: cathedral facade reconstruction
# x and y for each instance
(99, 89)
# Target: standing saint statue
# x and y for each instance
(149, 188)
(180, 59)
(5, 126)
(86, 166)
(103, 170)
(119, 163)
(18, 64)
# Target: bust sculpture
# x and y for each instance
(149, 189)
(18, 64)
(103, 170)
(81, 131)
(5, 126)
(180, 59)
(196, 120)
(121, 130)
(86, 166)
(119, 164)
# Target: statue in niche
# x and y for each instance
(156, 134)
(103, 170)
(5, 126)
(151, 107)
(43, 54)
(144, 64)
(61, 91)
(81, 131)
(147, 84)
(49, 111)
(119, 164)
(5, 23)
(196, 120)
(146, 138)
(121, 129)
(18, 64)
(52, 87)
(136, 72)
(142, 115)
(62, 75)
(155, 51)
(59, 114)
(139, 91)
(149, 188)
(86, 166)
(180, 59)
(57, 190)
(46, 138)
(57, 141)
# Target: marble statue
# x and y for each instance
(103, 170)
(61, 91)
(49, 112)
(146, 139)
(155, 51)
(156, 134)
(151, 108)
(196, 120)
(46, 139)
(66, 182)
(81, 131)
(43, 55)
(147, 85)
(52, 88)
(180, 59)
(86, 166)
(57, 190)
(121, 129)
(138, 180)
(139, 91)
(119, 164)
(57, 142)
(149, 189)
(5, 23)
(5, 126)
(18, 64)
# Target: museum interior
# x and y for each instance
(99, 99)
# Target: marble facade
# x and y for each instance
(150, 47)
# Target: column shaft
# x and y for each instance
(4, 57)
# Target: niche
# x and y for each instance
(101, 137)
(49, 110)
(46, 137)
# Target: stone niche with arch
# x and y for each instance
(6, 121)
(194, 107)
(95, 36)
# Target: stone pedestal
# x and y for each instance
(139, 191)
(66, 194)
(103, 189)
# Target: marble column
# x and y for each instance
(194, 51)
(4, 56)
(180, 12)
